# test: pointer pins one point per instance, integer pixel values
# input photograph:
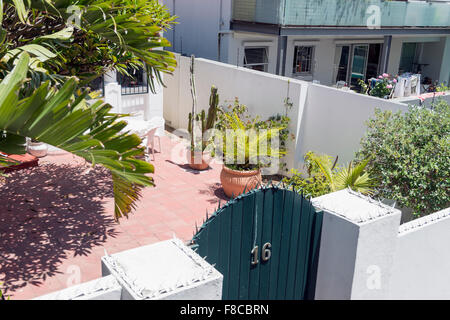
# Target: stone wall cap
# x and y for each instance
(353, 206)
(84, 291)
(156, 270)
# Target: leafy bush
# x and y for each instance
(443, 87)
(324, 177)
(410, 157)
(381, 87)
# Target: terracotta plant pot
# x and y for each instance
(37, 149)
(192, 157)
(234, 182)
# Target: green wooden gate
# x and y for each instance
(265, 243)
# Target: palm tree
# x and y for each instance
(43, 100)
(351, 176)
(61, 119)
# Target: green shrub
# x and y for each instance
(410, 157)
(325, 177)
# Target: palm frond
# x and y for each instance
(61, 119)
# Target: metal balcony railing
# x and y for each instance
(136, 84)
(343, 13)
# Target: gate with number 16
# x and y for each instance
(265, 243)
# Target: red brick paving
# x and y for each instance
(56, 219)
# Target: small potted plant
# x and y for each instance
(383, 87)
(36, 148)
(243, 157)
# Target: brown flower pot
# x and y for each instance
(234, 182)
(198, 155)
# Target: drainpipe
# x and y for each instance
(282, 41)
(174, 27)
(281, 55)
(219, 35)
(221, 32)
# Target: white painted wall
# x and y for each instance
(366, 254)
(357, 247)
(324, 50)
(199, 23)
(238, 41)
(144, 106)
(334, 121)
(261, 92)
(421, 267)
(323, 119)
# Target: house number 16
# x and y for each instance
(265, 254)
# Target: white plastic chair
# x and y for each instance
(151, 141)
(340, 84)
(156, 124)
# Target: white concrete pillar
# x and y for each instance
(113, 96)
(357, 246)
(395, 55)
(166, 270)
(110, 77)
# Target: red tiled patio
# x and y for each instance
(56, 220)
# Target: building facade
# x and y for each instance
(318, 40)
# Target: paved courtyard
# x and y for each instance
(56, 220)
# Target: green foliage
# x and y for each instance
(313, 186)
(111, 34)
(324, 177)
(2, 296)
(45, 62)
(442, 87)
(363, 85)
(246, 153)
(66, 121)
(410, 157)
(383, 88)
(206, 122)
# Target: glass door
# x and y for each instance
(341, 62)
(359, 63)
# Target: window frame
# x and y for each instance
(265, 64)
(312, 61)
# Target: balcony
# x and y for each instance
(343, 13)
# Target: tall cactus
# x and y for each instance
(191, 126)
(213, 106)
(207, 122)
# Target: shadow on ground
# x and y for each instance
(216, 192)
(47, 214)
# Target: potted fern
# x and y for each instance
(243, 154)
